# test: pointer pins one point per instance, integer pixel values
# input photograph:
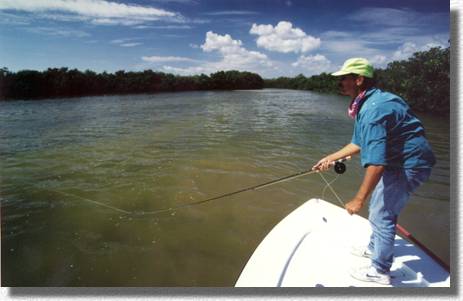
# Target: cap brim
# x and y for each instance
(340, 72)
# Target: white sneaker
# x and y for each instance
(361, 251)
(370, 274)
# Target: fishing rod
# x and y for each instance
(339, 168)
(401, 230)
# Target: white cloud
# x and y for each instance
(198, 21)
(62, 32)
(163, 27)
(99, 12)
(175, 35)
(348, 43)
(407, 49)
(332, 34)
(126, 42)
(378, 60)
(178, 1)
(432, 45)
(393, 17)
(314, 64)
(223, 43)
(231, 12)
(312, 61)
(130, 44)
(379, 46)
(120, 41)
(404, 51)
(233, 57)
(11, 19)
(115, 21)
(382, 16)
(233, 54)
(163, 59)
(189, 70)
(284, 38)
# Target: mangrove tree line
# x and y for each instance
(423, 81)
(63, 82)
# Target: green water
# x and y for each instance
(63, 160)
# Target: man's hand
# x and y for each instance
(373, 175)
(355, 205)
(323, 165)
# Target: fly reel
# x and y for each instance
(339, 168)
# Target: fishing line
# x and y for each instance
(338, 166)
(88, 200)
(78, 197)
(328, 184)
(253, 188)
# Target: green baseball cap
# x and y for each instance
(356, 65)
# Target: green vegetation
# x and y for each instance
(320, 83)
(423, 81)
(62, 82)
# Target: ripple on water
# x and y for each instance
(147, 152)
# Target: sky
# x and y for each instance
(185, 37)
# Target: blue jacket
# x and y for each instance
(389, 134)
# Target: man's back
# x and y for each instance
(390, 134)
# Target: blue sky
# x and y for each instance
(272, 38)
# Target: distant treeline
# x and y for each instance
(62, 82)
(423, 81)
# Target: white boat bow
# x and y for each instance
(311, 248)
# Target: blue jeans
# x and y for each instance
(388, 199)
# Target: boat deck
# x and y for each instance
(311, 248)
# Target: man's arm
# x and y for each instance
(348, 150)
(372, 176)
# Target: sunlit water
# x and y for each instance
(72, 168)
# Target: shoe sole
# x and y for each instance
(370, 280)
(361, 255)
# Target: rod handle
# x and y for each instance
(341, 160)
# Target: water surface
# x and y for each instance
(72, 168)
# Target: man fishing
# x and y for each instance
(395, 154)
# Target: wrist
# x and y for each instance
(360, 199)
(330, 158)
